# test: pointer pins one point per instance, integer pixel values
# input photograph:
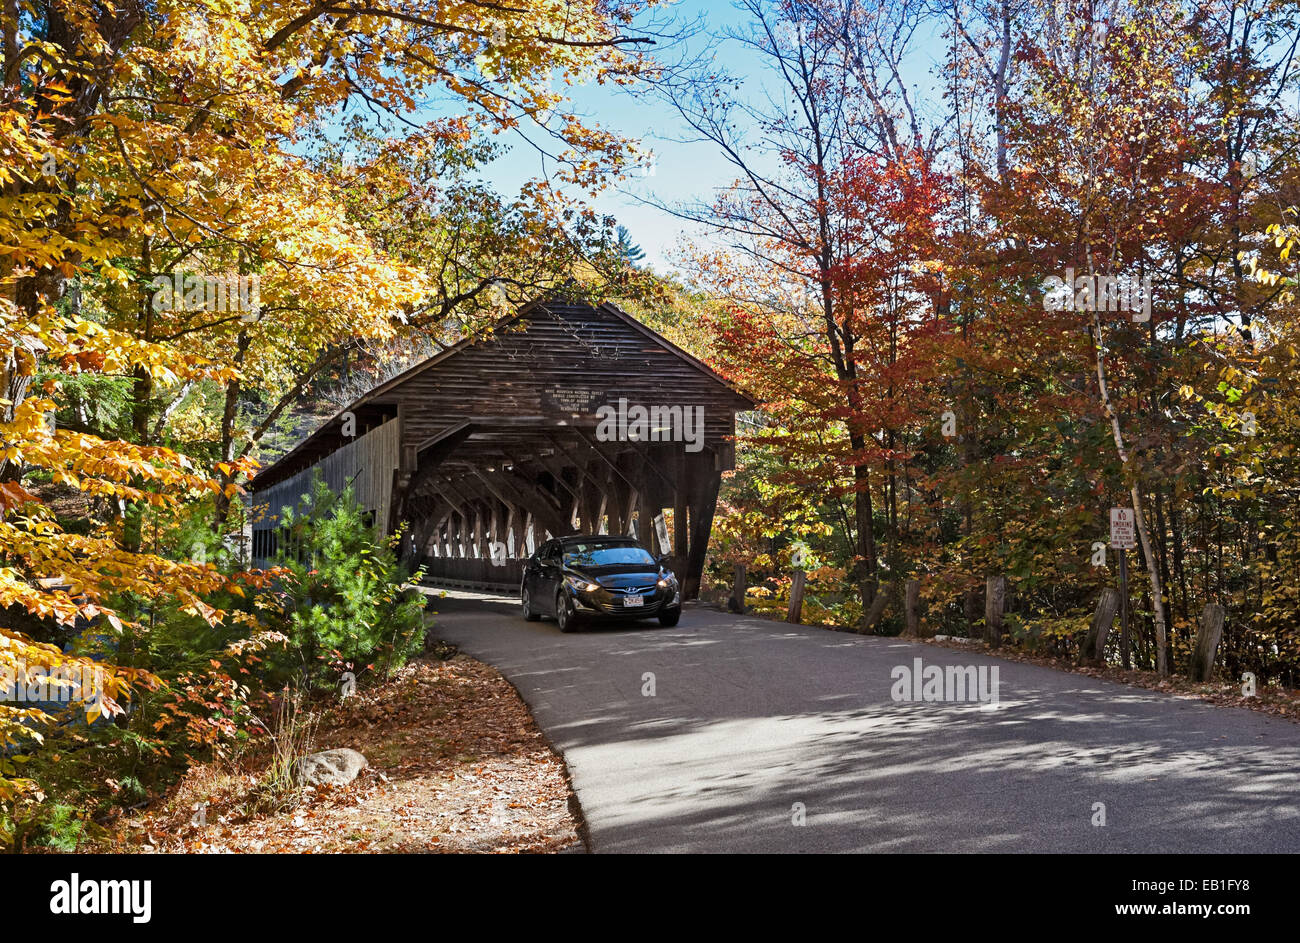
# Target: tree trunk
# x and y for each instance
(994, 602)
(1207, 642)
(229, 415)
(1153, 572)
(864, 524)
(1094, 644)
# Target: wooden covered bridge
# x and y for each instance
(567, 418)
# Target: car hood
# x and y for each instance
(618, 575)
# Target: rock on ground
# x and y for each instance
(331, 767)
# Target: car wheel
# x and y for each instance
(670, 617)
(565, 617)
(526, 603)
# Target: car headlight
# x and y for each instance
(666, 581)
(583, 586)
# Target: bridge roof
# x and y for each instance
(530, 384)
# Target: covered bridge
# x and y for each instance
(567, 418)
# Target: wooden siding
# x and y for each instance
(559, 361)
(565, 363)
(499, 437)
(368, 461)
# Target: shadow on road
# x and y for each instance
(720, 733)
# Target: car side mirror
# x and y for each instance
(662, 559)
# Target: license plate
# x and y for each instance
(630, 602)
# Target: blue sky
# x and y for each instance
(683, 172)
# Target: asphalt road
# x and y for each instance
(754, 725)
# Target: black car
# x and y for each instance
(602, 576)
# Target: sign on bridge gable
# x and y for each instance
(572, 400)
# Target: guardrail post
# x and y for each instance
(737, 601)
(912, 608)
(796, 596)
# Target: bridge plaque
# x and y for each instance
(572, 400)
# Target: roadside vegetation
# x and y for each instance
(979, 313)
(248, 689)
(214, 218)
(940, 407)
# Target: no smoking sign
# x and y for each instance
(1123, 529)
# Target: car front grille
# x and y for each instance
(633, 590)
(611, 600)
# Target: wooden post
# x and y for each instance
(796, 596)
(705, 482)
(681, 517)
(663, 539)
(1124, 643)
(1207, 641)
(737, 601)
(911, 608)
(593, 499)
(1094, 643)
(480, 537)
(995, 598)
(521, 533)
(648, 505)
(869, 618)
(645, 520)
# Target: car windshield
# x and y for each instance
(606, 555)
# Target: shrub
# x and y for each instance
(345, 600)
